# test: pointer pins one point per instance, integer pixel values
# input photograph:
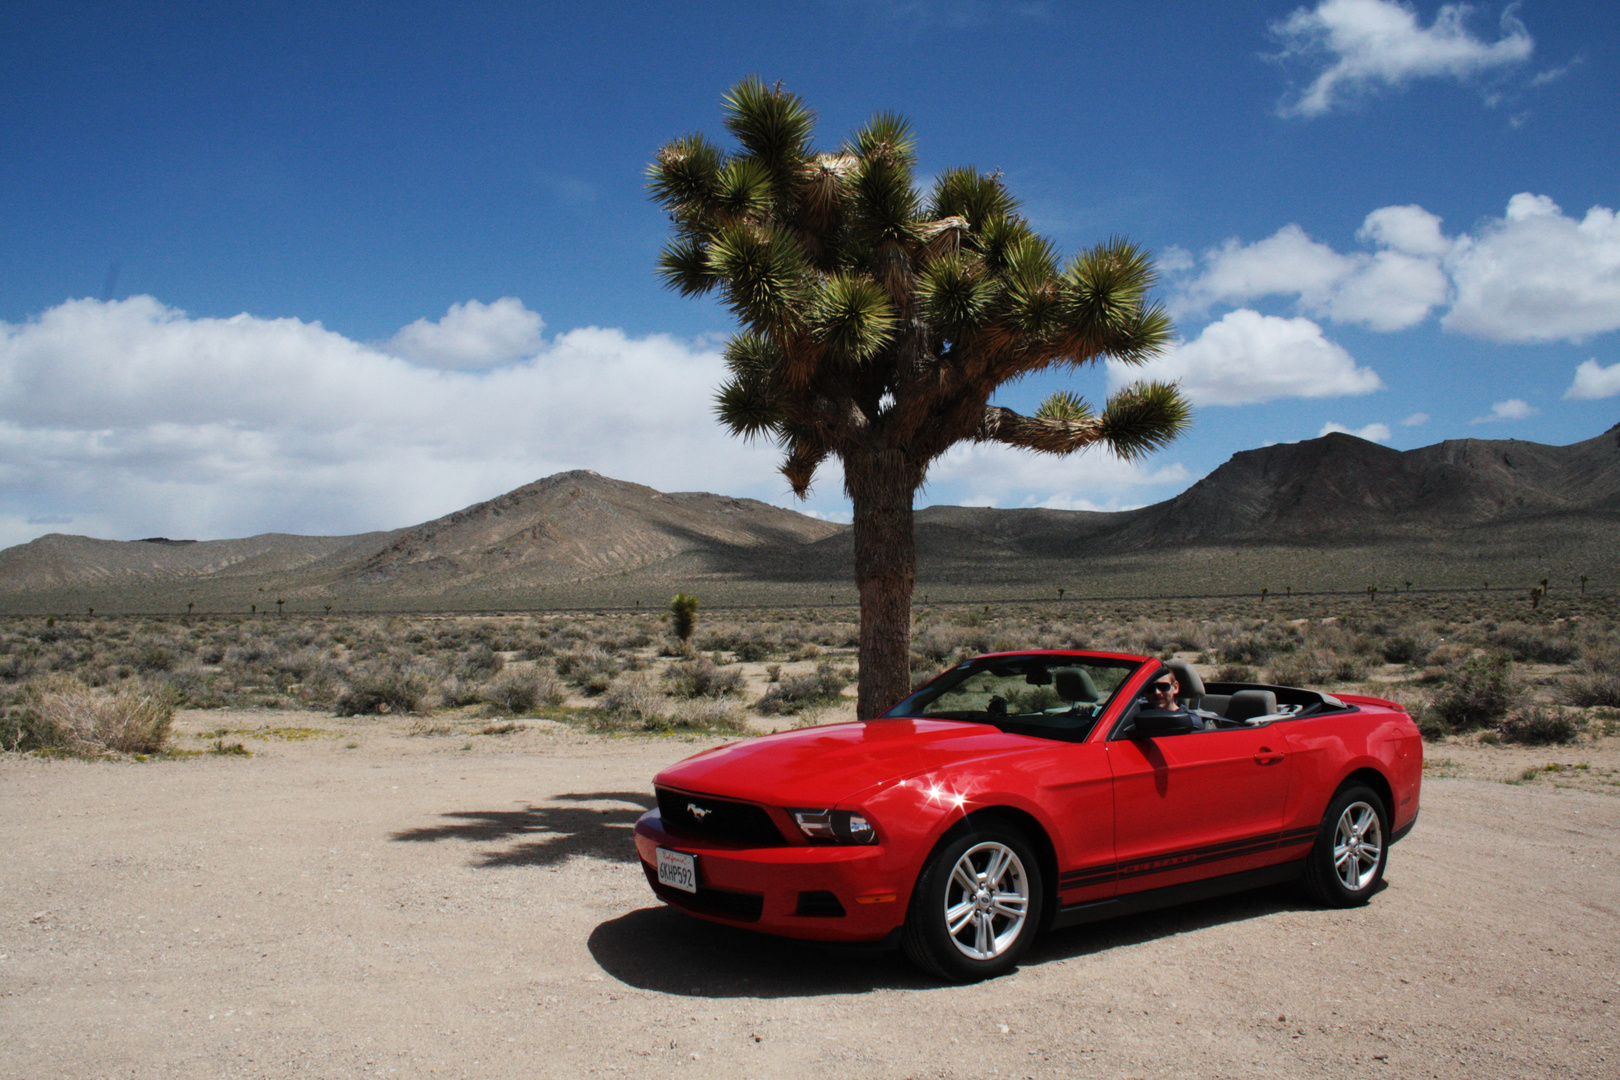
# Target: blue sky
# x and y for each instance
(325, 268)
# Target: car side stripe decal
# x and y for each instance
(1096, 874)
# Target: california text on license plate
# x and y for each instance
(677, 870)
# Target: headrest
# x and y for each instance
(1191, 684)
(1074, 684)
(1247, 704)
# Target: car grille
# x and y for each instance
(741, 906)
(733, 822)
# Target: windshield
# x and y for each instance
(1056, 696)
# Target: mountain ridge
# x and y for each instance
(578, 530)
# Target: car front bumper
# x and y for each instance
(838, 893)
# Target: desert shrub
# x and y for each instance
(1255, 648)
(590, 668)
(702, 678)
(635, 698)
(1239, 673)
(796, 692)
(151, 656)
(478, 662)
(195, 688)
(1406, 649)
(1535, 645)
(379, 692)
(1351, 668)
(1431, 725)
(61, 713)
(1589, 690)
(16, 666)
(520, 693)
(938, 644)
(1478, 692)
(1538, 726)
(751, 651)
(1304, 667)
(709, 714)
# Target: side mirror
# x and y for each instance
(1150, 723)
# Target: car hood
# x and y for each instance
(822, 767)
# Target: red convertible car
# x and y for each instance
(1022, 791)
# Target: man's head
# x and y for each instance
(1162, 691)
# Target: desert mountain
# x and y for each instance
(579, 537)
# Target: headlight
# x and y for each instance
(835, 826)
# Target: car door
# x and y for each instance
(1198, 805)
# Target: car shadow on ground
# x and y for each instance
(547, 834)
(662, 949)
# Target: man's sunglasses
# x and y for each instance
(1159, 688)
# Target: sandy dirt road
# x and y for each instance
(367, 903)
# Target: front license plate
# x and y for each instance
(677, 870)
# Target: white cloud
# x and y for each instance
(1390, 289)
(1593, 381)
(1415, 419)
(471, 335)
(1511, 409)
(136, 420)
(991, 474)
(1533, 274)
(1537, 275)
(1363, 45)
(1378, 433)
(1247, 358)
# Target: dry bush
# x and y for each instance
(701, 677)
(1478, 692)
(635, 699)
(1589, 690)
(517, 693)
(709, 714)
(590, 668)
(62, 713)
(795, 693)
(1538, 726)
(379, 692)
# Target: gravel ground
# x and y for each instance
(356, 901)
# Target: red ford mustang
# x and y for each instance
(1029, 790)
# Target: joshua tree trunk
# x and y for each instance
(881, 483)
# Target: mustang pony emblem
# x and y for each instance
(699, 812)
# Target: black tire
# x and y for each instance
(993, 927)
(1347, 862)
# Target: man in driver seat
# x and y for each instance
(1161, 694)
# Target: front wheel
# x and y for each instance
(976, 906)
(1347, 863)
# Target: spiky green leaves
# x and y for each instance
(762, 272)
(684, 266)
(749, 402)
(852, 318)
(1143, 417)
(684, 173)
(1064, 405)
(954, 298)
(773, 127)
(968, 193)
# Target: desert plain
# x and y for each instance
(450, 894)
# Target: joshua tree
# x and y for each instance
(683, 616)
(877, 323)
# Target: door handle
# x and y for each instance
(1267, 756)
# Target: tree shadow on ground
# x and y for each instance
(558, 832)
(668, 951)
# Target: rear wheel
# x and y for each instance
(1347, 863)
(976, 906)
